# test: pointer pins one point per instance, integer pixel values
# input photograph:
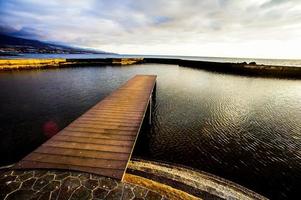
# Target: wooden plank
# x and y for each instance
(109, 122)
(82, 153)
(115, 131)
(75, 160)
(112, 116)
(91, 140)
(103, 126)
(98, 135)
(87, 146)
(100, 141)
(136, 115)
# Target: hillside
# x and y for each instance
(15, 45)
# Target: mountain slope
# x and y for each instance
(15, 45)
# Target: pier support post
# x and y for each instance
(155, 91)
(150, 110)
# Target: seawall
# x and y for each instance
(235, 68)
(14, 64)
(22, 64)
(231, 68)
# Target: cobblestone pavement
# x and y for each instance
(62, 185)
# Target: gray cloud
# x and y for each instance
(209, 27)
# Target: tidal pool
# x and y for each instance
(244, 129)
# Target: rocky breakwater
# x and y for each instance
(251, 69)
(20, 64)
(17, 64)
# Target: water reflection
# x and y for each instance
(245, 129)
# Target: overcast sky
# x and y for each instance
(222, 28)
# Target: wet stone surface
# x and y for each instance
(64, 185)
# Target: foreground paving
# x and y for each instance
(142, 180)
(62, 185)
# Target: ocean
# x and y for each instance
(261, 61)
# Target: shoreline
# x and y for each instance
(144, 179)
(235, 68)
(245, 69)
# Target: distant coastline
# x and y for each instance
(15, 46)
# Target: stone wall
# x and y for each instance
(11, 64)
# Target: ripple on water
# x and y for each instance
(245, 129)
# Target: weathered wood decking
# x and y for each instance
(101, 140)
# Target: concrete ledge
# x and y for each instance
(163, 189)
(195, 183)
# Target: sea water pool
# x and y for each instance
(244, 129)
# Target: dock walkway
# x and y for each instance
(100, 141)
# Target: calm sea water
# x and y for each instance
(245, 129)
(279, 62)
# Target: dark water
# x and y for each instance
(245, 129)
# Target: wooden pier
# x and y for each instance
(100, 141)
